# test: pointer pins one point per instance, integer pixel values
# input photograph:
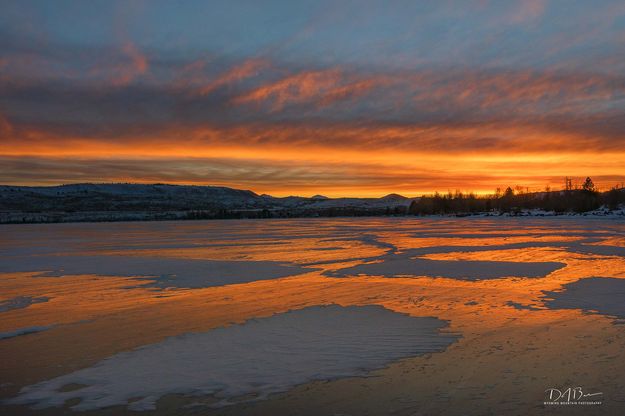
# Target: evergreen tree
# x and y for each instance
(588, 185)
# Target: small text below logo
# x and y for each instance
(571, 396)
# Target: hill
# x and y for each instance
(123, 201)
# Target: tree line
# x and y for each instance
(584, 199)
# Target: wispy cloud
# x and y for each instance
(317, 88)
(131, 64)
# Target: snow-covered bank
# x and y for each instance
(332, 208)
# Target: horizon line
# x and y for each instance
(416, 194)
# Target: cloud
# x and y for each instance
(347, 177)
(240, 72)
(425, 97)
(130, 64)
(319, 88)
(299, 87)
(6, 129)
(592, 133)
(27, 60)
(416, 97)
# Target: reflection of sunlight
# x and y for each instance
(407, 242)
(503, 322)
(301, 251)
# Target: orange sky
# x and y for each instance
(305, 169)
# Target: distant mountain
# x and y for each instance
(394, 197)
(87, 201)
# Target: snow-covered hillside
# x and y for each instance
(106, 202)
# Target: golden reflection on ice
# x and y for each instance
(513, 347)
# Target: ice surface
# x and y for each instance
(20, 302)
(117, 249)
(168, 272)
(401, 265)
(601, 294)
(254, 359)
(24, 331)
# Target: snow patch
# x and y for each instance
(603, 295)
(168, 272)
(254, 359)
(401, 265)
(20, 302)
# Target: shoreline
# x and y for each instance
(131, 216)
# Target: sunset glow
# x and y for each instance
(313, 98)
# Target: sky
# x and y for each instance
(340, 98)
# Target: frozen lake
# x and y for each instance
(311, 316)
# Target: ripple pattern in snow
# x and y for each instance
(257, 358)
